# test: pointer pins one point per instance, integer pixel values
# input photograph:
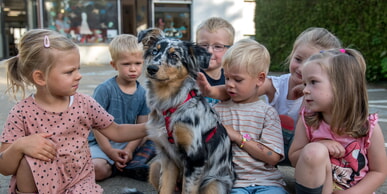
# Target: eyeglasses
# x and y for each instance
(215, 47)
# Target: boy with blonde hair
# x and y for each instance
(253, 126)
(216, 35)
(124, 98)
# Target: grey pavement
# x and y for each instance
(94, 75)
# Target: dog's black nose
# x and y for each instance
(152, 69)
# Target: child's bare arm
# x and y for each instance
(267, 89)
(117, 155)
(377, 163)
(103, 142)
(335, 149)
(131, 147)
(219, 92)
(299, 141)
(124, 132)
(255, 149)
(262, 152)
(36, 146)
(10, 156)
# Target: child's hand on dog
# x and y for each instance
(218, 92)
(232, 134)
(204, 86)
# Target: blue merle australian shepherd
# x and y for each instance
(193, 146)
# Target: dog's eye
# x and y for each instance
(174, 56)
(155, 51)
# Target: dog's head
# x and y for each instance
(171, 59)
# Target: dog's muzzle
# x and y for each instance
(152, 69)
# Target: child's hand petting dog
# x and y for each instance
(204, 86)
(217, 92)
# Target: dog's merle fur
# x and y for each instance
(198, 156)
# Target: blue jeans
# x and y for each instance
(259, 190)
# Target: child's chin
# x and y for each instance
(309, 112)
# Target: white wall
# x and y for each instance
(95, 55)
(238, 12)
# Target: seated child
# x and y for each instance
(124, 98)
(253, 126)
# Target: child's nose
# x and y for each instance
(79, 76)
(229, 84)
(210, 49)
(306, 90)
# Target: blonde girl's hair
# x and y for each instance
(319, 38)
(247, 54)
(124, 43)
(346, 68)
(36, 51)
(215, 23)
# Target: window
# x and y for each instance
(174, 20)
(83, 21)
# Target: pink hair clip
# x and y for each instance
(46, 42)
(342, 50)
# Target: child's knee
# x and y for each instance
(102, 169)
(25, 182)
(24, 167)
(314, 153)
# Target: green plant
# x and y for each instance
(360, 24)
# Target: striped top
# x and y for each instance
(262, 123)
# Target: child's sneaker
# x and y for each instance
(138, 168)
(130, 191)
(139, 173)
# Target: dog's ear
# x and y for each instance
(198, 58)
(199, 55)
(150, 36)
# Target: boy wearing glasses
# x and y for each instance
(216, 35)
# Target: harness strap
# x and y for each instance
(211, 134)
(167, 117)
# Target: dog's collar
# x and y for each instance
(167, 116)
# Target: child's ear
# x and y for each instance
(39, 78)
(261, 77)
(113, 64)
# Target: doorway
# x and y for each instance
(17, 17)
(134, 16)
(14, 24)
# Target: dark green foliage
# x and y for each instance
(359, 24)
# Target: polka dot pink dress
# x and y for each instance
(72, 171)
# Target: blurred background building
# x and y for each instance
(92, 24)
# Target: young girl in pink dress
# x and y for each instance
(44, 142)
(338, 146)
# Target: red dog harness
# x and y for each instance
(167, 116)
